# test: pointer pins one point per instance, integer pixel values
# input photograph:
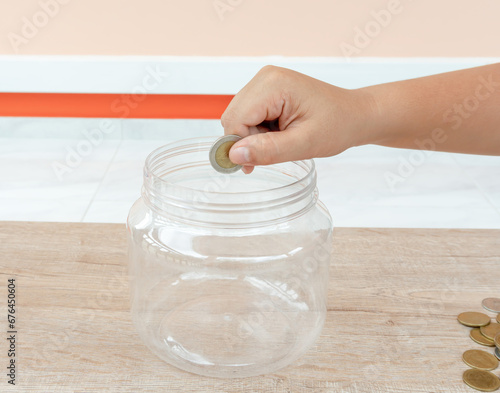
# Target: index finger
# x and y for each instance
(258, 102)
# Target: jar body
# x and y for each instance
(232, 299)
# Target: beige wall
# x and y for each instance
(251, 27)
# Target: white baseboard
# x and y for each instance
(202, 75)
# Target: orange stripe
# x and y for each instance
(150, 106)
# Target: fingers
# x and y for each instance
(270, 148)
(247, 169)
(258, 113)
(259, 101)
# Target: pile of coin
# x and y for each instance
(487, 333)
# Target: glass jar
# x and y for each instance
(228, 273)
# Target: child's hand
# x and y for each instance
(314, 119)
(455, 111)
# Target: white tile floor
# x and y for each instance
(443, 191)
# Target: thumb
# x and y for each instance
(269, 148)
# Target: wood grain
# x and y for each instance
(391, 325)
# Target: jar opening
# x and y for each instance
(178, 178)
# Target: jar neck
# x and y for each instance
(180, 185)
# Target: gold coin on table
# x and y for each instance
(491, 330)
(475, 335)
(497, 340)
(473, 319)
(479, 359)
(492, 304)
(481, 380)
(219, 154)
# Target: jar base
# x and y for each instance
(213, 336)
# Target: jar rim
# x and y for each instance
(295, 194)
(309, 164)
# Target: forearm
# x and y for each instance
(456, 112)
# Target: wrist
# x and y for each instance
(372, 128)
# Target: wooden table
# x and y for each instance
(391, 324)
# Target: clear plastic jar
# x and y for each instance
(229, 273)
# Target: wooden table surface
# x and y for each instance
(391, 325)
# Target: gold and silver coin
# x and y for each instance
(219, 154)
(473, 319)
(491, 330)
(481, 380)
(492, 304)
(479, 359)
(475, 335)
(487, 333)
